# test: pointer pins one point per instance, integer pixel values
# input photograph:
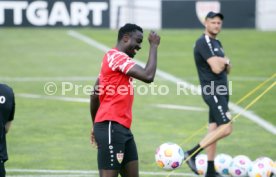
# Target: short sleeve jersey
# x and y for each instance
(205, 48)
(7, 109)
(115, 88)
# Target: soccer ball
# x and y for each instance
(240, 166)
(269, 163)
(261, 167)
(222, 163)
(274, 169)
(201, 164)
(169, 156)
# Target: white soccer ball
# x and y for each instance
(260, 168)
(222, 163)
(169, 156)
(240, 166)
(274, 168)
(268, 162)
(201, 162)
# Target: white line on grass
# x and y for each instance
(60, 98)
(42, 79)
(89, 78)
(180, 107)
(253, 117)
(166, 106)
(66, 175)
(41, 171)
(248, 78)
(80, 173)
(86, 100)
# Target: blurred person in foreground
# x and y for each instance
(111, 102)
(7, 109)
(213, 67)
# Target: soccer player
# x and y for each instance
(212, 67)
(111, 102)
(7, 108)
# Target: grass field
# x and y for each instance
(50, 133)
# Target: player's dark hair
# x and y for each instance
(128, 28)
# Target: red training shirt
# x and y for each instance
(115, 88)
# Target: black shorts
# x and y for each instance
(2, 169)
(116, 145)
(218, 109)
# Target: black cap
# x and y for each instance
(214, 14)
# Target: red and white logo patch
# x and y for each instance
(120, 157)
(203, 7)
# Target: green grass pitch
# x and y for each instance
(54, 134)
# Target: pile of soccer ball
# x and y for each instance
(170, 156)
(239, 166)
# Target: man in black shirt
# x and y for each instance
(212, 67)
(7, 109)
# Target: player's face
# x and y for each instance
(134, 43)
(213, 25)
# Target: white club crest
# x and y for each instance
(203, 7)
(120, 157)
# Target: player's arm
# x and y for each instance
(228, 67)
(94, 101)
(11, 117)
(147, 73)
(7, 126)
(94, 106)
(218, 64)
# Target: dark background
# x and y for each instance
(182, 14)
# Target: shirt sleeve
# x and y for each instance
(120, 62)
(205, 49)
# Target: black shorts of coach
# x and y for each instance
(218, 108)
(116, 145)
(2, 169)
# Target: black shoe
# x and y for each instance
(191, 162)
(213, 175)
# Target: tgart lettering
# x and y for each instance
(38, 13)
